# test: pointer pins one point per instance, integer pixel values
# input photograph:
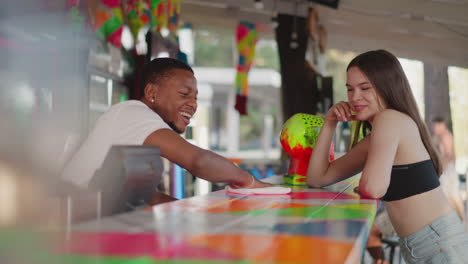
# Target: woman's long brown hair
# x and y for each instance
(385, 73)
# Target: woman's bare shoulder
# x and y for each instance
(394, 118)
(394, 124)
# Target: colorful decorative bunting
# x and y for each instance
(174, 14)
(156, 14)
(111, 3)
(137, 15)
(246, 39)
(109, 23)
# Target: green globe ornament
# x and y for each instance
(298, 138)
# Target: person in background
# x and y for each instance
(449, 179)
(398, 162)
(168, 102)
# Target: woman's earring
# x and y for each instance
(152, 100)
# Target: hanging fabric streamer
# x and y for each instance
(157, 14)
(174, 14)
(246, 39)
(159, 11)
(108, 18)
(108, 22)
(165, 14)
(153, 7)
(137, 15)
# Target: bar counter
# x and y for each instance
(323, 226)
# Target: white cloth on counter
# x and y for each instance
(260, 191)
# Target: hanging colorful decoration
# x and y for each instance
(246, 39)
(111, 3)
(138, 15)
(173, 16)
(152, 6)
(109, 16)
(159, 14)
(108, 22)
(76, 18)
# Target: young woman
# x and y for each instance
(398, 162)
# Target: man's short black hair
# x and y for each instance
(158, 69)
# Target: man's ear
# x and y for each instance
(150, 91)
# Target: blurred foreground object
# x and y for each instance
(24, 211)
(20, 198)
(127, 180)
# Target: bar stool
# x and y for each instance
(392, 243)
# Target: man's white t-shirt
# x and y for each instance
(126, 123)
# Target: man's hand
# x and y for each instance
(260, 184)
(252, 183)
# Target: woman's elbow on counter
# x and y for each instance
(314, 183)
(371, 192)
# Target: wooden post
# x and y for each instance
(436, 94)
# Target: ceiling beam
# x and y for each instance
(447, 12)
(389, 24)
(222, 16)
(435, 52)
(412, 29)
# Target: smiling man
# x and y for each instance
(168, 103)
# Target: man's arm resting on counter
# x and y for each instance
(202, 163)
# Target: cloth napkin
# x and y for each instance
(260, 191)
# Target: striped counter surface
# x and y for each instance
(306, 226)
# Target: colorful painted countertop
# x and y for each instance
(307, 226)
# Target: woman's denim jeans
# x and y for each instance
(443, 241)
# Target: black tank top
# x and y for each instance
(411, 179)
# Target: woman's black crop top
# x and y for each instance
(411, 179)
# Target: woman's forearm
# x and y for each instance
(319, 161)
